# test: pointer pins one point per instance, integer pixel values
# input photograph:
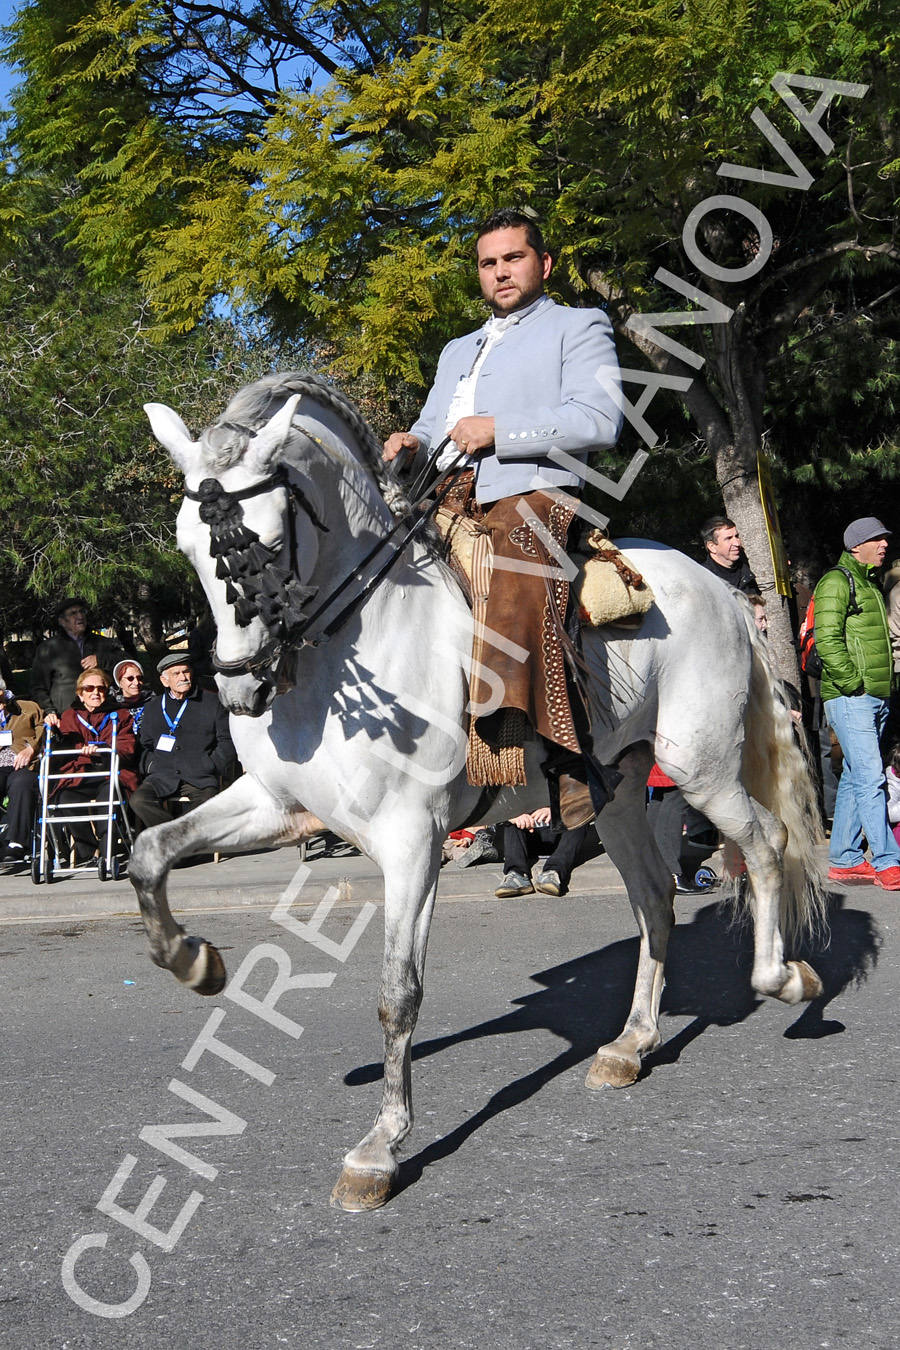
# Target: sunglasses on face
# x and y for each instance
(131, 679)
(94, 688)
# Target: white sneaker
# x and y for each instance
(513, 883)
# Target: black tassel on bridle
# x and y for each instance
(254, 586)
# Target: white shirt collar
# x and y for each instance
(496, 325)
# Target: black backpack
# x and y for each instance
(810, 660)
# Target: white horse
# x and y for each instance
(285, 497)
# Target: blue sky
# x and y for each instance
(7, 77)
(7, 10)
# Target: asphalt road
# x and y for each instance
(742, 1194)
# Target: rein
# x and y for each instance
(275, 595)
(298, 638)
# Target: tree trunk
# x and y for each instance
(738, 478)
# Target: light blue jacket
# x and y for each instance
(540, 385)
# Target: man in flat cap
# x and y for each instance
(184, 742)
(853, 640)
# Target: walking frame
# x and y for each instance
(51, 855)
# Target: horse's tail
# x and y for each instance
(778, 774)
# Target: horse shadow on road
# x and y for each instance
(585, 1002)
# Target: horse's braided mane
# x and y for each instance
(256, 403)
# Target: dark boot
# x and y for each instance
(576, 806)
(567, 788)
(578, 787)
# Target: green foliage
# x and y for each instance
(341, 207)
(332, 196)
(90, 498)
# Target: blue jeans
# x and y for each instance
(861, 804)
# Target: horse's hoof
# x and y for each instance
(612, 1071)
(211, 976)
(358, 1191)
(802, 985)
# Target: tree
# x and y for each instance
(90, 499)
(678, 90)
(341, 208)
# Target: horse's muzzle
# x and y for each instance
(245, 695)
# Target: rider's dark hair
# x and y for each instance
(709, 527)
(508, 219)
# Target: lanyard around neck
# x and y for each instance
(93, 731)
(178, 715)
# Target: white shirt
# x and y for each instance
(463, 402)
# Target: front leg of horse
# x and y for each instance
(244, 816)
(618, 1063)
(370, 1169)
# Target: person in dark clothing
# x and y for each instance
(526, 837)
(60, 660)
(725, 555)
(667, 815)
(6, 670)
(184, 741)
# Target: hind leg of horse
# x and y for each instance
(762, 837)
(370, 1169)
(243, 816)
(623, 828)
(789, 981)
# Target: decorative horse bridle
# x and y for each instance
(257, 589)
(254, 586)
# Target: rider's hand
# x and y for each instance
(51, 719)
(400, 440)
(88, 662)
(473, 433)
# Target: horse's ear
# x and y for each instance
(267, 442)
(171, 433)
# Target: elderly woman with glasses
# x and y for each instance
(130, 690)
(88, 727)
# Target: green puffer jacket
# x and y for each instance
(855, 648)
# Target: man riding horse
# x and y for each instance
(507, 395)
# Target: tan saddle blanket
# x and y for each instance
(608, 588)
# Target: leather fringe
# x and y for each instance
(502, 765)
